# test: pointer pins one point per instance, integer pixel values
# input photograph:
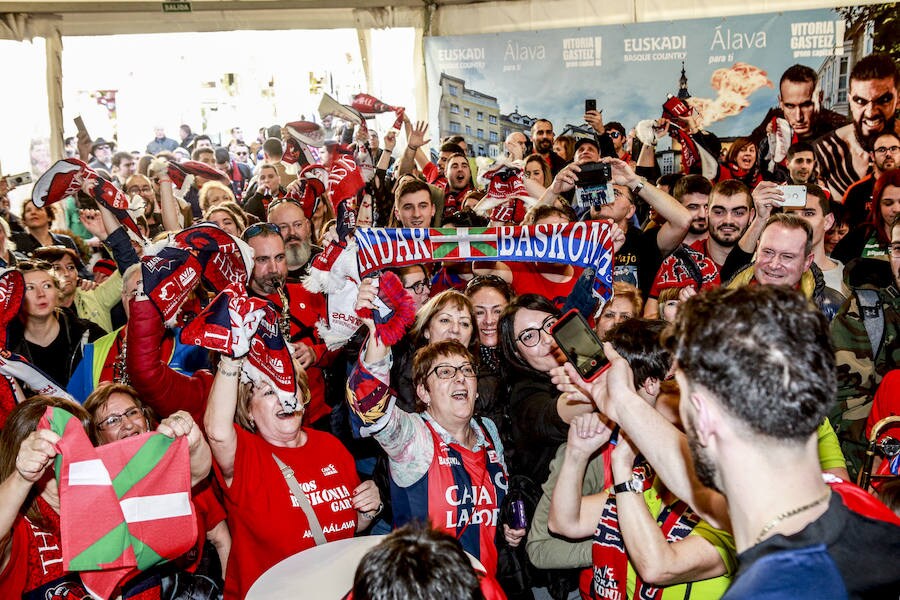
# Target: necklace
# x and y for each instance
(790, 513)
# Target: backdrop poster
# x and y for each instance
(483, 86)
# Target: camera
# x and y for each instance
(596, 173)
(17, 180)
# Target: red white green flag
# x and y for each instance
(124, 507)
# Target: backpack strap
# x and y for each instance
(314, 526)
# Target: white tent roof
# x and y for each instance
(23, 20)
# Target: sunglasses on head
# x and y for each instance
(34, 265)
(257, 228)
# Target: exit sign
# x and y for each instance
(176, 7)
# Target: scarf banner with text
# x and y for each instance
(583, 244)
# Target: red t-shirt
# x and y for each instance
(527, 279)
(267, 525)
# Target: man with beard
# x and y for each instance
(843, 155)
(730, 211)
(542, 139)
(858, 198)
(296, 231)
(693, 193)
(298, 308)
(756, 374)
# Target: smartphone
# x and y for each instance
(590, 104)
(17, 180)
(794, 195)
(580, 344)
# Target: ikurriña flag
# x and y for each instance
(124, 507)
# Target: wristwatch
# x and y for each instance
(635, 484)
(638, 186)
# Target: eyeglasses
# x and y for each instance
(242, 153)
(532, 336)
(419, 287)
(886, 149)
(895, 250)
(104, 147)
(139, 189)
(114, 421)
(449, 371)
(257, 228)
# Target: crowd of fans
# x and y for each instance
(753, 342)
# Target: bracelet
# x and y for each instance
(371, 515)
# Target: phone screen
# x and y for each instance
(580, 344)
(590, 104)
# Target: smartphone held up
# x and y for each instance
(580, 344)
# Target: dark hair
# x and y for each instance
(455, 139)
(875, 66)
(202, 136)
(691, 184)
(798, 74)
(464, 218)
(889, 494)
(732, 187)
(273, 148)
(416, 561)
(617, 126)
(824, 202)
(47, 208)
(637, 340)
(425, 357)
(195, 155)
(798, 147)
(669, 179)
(765, 353)
(186, 128)
(507, 328)
(22, 420)
(118, 157)
(452, 147)
(494, 282)
(411, 186)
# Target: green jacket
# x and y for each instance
(859, 372)
(95, 304)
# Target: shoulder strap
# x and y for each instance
(873, 317)
(314, 526)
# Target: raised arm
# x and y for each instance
(571, 514)
(219, 417)
(664, 446)
(766, 196)
(655, 559)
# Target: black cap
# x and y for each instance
(586, 140)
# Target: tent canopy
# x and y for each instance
(23, 20)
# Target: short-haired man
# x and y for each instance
(123, 167)
(785, 257)
(692, 191)
(296, 231)
(516, 144)
(866, 335)
(857, 203)
(298, 307)
(205, 155)
(458, 174)
(843, 154)
(801, 164)
(202, 141)
(820, 216)
(542, 139)
(755, 369)
(239, 173)
(413, 206)
(160, 142)
(266, 190)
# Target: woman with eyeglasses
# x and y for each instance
(48, 337)
(117, 413)
(446, 466)
(265, 459)
(541, 415)
(31, 563)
